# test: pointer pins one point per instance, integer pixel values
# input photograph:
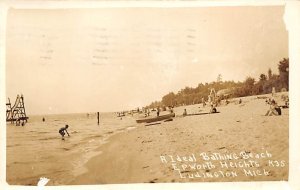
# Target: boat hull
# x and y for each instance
(154, 119)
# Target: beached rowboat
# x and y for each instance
(154, 119)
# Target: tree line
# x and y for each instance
(248, 87)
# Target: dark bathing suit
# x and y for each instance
(62, 131)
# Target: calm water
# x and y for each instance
(36, 149)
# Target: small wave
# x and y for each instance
(121, 129)
(130, 128)
(92, 136)
(42, 132)
(79, 164)
(48, 138)
(97, 136)
(66, 149)
(17, 162)
(13, 145)
(75, 145)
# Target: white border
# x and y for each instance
(292, 19)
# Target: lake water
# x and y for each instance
(36, 149)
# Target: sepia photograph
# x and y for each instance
(127, 95)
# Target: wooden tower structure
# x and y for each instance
(17, 112)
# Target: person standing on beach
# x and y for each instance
(157, 111)
(148, 112)
(62, 132)
(98, 117)
(184, 112)
(240, 101)
(171, 109)
(203, 102)
(210, 100)
(273, 91)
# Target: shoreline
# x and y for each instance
(133, 153)
(135, 156)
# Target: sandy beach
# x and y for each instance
(134, 156)
(251, 147)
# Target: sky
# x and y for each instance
(113, 59)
